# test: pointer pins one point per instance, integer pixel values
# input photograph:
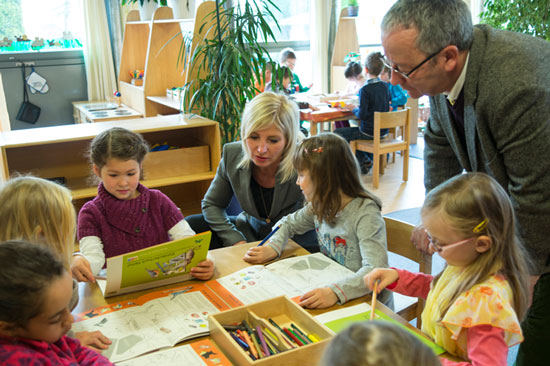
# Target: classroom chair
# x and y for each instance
(380, 147)
(399, 242)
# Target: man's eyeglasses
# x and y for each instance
(439, 248)
(407, 75)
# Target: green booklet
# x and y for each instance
(159, 265)
(340, 319)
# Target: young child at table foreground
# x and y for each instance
(41, 212)
(36, 291)
(125, 215)
(346, 217)
(473, 307)
(377, 343)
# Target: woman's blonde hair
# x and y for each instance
(474, 204)
(377, 343)
(328, 159)
(39, 211)
(269, 109)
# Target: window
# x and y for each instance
(59, 23)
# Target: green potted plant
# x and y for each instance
(353, 8)
(146, 7)
(530, 17)
(226, 66)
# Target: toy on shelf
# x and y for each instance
(137, 77)
(117, 96)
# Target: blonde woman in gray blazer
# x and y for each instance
(258, 171)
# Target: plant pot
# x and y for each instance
(147, 10)
(183, 9)
(352, 11)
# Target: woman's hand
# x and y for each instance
(319, 298)
(260, 254)
(203, 270)
(95, 340)
(419, 238)
(386, 276)
(81, 270)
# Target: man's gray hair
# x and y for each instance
(439, 23)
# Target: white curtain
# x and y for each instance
(319, 31)
(100, 72)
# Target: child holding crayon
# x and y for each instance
(345, 216)
(474, 306)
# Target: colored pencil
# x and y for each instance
(373, 304)
(269, 235)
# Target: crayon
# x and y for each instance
(300, 333)
(240, 342)
(262, 340)
(297, 336)
(292, 336)
(269, 235)
(283, 334)
(250, 344)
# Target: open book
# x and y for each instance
(153, 321)
(200, 353)
(154, 266)
(291, 276)
(338, 320)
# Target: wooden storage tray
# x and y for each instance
(283, 311)
(177, 162)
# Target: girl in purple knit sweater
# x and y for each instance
(125, 215)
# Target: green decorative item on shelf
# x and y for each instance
(225, 67)
(529, 17)
(352, 56)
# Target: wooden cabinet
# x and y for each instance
(154, 46)
(346, 41)
(60, 152)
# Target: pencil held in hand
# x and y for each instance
(373, 304)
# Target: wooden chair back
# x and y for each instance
(380, 147)
(399, 242)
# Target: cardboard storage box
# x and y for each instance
(284, 312)
(176, 162)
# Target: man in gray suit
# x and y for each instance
(490, 112)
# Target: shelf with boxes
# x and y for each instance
(59, 153)
(284, 313)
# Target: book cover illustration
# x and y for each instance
(158, 265)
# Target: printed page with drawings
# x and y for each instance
(291, 276)
(201, 353)
(153, 321)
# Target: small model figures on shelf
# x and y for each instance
(117, 96)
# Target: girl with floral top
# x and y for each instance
(474, 306)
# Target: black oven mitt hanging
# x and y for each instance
(28, 112)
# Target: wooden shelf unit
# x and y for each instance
(183, 174)
(154, 46)
(346, 41)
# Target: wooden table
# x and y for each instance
(324, 114)
(228, 260)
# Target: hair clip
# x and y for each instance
(318, 150)
(481, 226)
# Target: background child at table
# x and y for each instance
(125, 215)
(280, 81)
(41, 211)
(398, 95)
(346, 217)
(374, 96)
(287, 57)
(35, 292)
(473, 306)
(265, 78)
(377, 343)
(354, 75)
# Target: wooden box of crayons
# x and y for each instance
(278, 327)
(176, 162)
